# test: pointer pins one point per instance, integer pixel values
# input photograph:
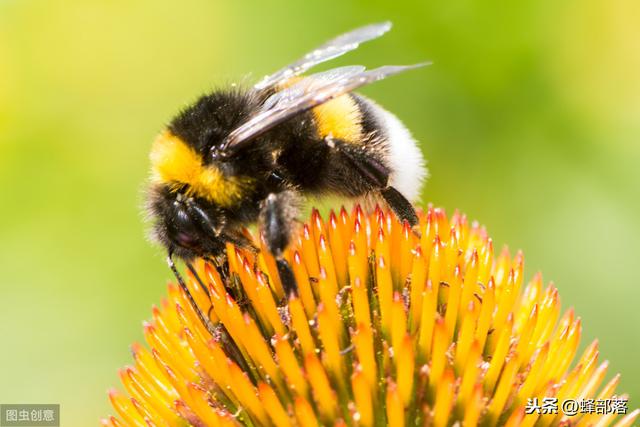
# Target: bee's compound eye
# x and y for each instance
(186, 240)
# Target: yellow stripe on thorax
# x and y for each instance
(176, 164)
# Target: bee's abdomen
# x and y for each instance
(367, 141)
(400, 151)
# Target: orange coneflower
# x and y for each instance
(386, 329)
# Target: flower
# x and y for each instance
(387, 328)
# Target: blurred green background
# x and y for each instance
(530, 119)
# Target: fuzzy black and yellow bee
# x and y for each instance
(243, 155)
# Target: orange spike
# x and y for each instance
(451, 315)
(465, 336)
(304, 413)
(199, 402)
(398, 321)
(268, 304)
(309, 252)
(469, 283)
(444, 399)
(300, 325)
(406, 246)
(526, 332)
(326, 262)
(157, 342)
(125, 409)
(338, 249)
(452, 250)
(528, 299)
(272, 405)
(534, 379)
(394, 233)
(418, 281)
(148, 369)
(358, 264)
(248, 278)
(486, 314)
(234, 259)
(383, 246)
(427, 320)
(322, 392)
(504, 389)
(361, 247)
(440, 348)
(470, 374)
(385, 294)
(329, 337)
(304, 287)
(363, 343)
(328, 298)
(428, 233)
(267, 264)
(317, 224)
(289, 365)
(437, 264)
(405, 363)
(474, 408)
(395, 409)
(344, 223)
(498, 358)
(259, 350)
(360, 301)
(246, 393)
(501, 270)
(548, 312)
(363, 398)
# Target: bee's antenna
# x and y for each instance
(205, 321)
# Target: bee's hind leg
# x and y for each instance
(377, 175)
(400, 206)
(277, 220)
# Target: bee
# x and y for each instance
(239, 156)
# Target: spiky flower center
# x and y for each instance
(387, 328)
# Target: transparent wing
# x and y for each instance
(309, 84)
(331, 49)
(304, 95)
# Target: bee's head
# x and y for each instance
(186, 226)
(190, 190)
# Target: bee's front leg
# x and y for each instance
(277, 220)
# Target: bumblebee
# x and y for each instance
(238, 156)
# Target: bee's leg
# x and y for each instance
(277, 219)
(205, 321)
(377, 175)
(400, 206)
(287, 278)
(371, 170)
